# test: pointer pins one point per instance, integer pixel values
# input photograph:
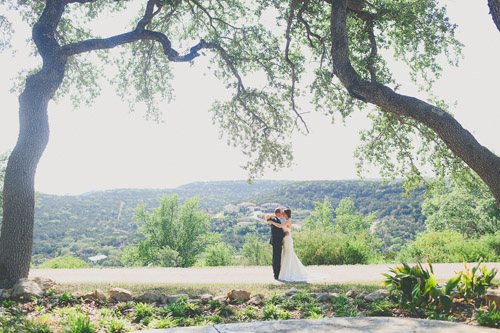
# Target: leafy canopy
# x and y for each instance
(269, 68)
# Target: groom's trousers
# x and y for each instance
(277, 248)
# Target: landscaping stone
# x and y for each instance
(26, 289)
(493, 297)
(256, 300)
(173, 298)
(351, 294)
(205, 298)
(377, 295)
(5, 293)
(96, 295)
(333, 296)
(44, 283)
(292, 291)
(363, 294)
(149, 297)
(238, 295)
(321, 297)
(221, 299)
(119, 295)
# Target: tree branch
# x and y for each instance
(290, 62)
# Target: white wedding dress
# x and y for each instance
(292, 269)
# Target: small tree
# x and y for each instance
(322, 217)
(174, 235)
(349, 220)
(472, 214)
(255, 251)
(220, 254)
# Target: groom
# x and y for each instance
(277, 235)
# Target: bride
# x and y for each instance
(292, 269)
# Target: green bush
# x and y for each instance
(256, 251)
(66, 261)
(220, 254)
(447, 246)
(326, 247)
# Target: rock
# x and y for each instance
(292, 291)
(96, 295)
(149, 297)
(205, 298)
(493, 297)
(5, 293)
(26, 289)
(321, 297)
(119, 295)
(351, 294)
(238, 295)
(363, 294)
(256, 300)
(220, 298)
(333, 296)
(44, 283)
(173, 298)
(377, 295)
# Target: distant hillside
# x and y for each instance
(367, 195)
(103, 222)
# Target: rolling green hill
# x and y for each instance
(103, 222)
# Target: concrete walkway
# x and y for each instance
(339, 324)
(238, 274)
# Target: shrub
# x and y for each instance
(325, 247)
(255, 251)
(220, 254)
(446, 246)
(65, 261)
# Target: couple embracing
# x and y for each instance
(286, 265)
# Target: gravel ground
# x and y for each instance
(254, 274)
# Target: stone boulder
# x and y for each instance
(149, 297)
(44, 283)
(256, 300)
(5, 293)
(96, 295)
(205, 298)
(238, 295)
(292, 291)
(26, 289)
(377, 295)
(173, 298)
(321, 297)
(333, 296)
(119, 295)
(493, 297)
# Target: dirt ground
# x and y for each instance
(255, 274)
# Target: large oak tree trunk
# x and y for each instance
(16, 237)
(460, 141)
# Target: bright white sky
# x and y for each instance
(105, 147)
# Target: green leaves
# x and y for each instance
(417, 289)
(174, 234)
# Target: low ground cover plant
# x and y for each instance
(421, 296)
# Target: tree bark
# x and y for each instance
(495, 11)
(460, 141)
(16, 238)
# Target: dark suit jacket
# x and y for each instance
(277, 234)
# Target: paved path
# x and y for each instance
(243, 274)
(336, 324)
